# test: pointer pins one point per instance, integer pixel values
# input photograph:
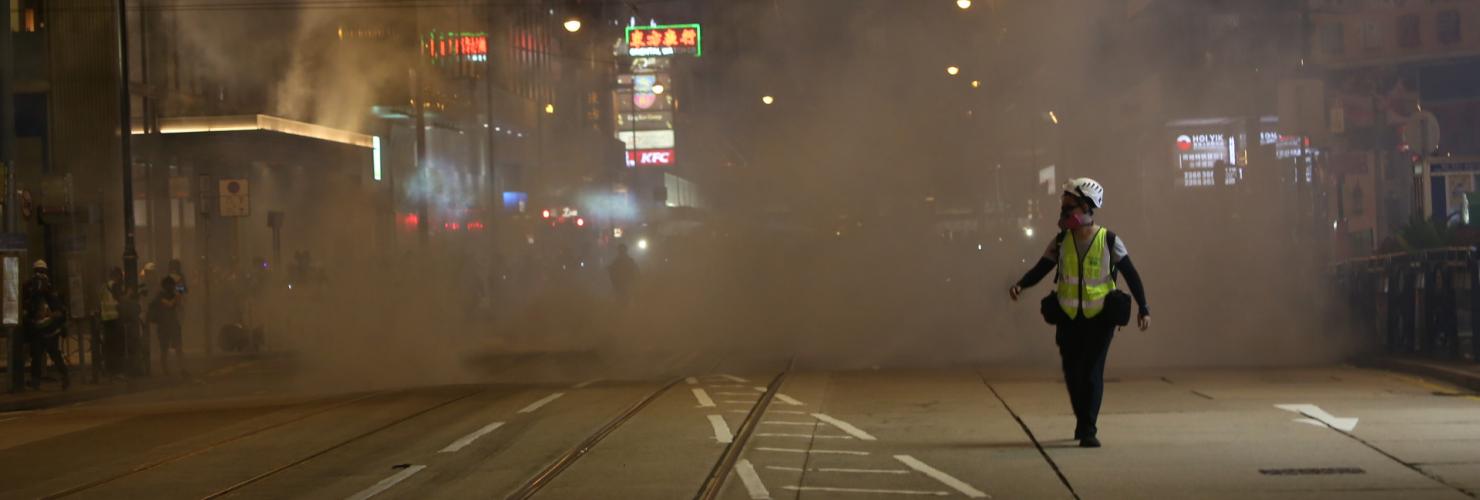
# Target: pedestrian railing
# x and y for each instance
(1416, 303)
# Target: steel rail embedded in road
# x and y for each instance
(560, 464)
(341, 444)
(175, 458)
(716, 480)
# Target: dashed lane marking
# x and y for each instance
(703, 397)
(803, 436)
(541, 403)
(846, 427)
(867, 490)
(464, 441)
(585, 384)
(737, 380)
(721, 429)
(841, 470)
(753, 484)
(944, 478)
(691, 381)
(814, 451)
(387, 483)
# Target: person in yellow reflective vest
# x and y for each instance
(1088, 258)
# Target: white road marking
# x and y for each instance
(845, 427)
(786, 412)
(464, 441)
(944, 478)
(784, 398)
(823, 452)
(779, 422)
(4, 420)
(703, 397)
(541, 403)
(738, 402)
(692, 381)
(831, 469)
(734, 394)
(387, 483)
(866, 490)
(804, 436)
(721, 429)
(752, 481)
(727, 386)
(737, 380)
(1314, 412)
(585, 384)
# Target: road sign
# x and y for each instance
(234, 199)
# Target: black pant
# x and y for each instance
(41, 347)
(1083, 346)
(113, 349)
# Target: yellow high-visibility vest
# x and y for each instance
(1083, 285)
(107, 305)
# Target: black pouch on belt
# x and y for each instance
(1052, 313)
(1118, 307)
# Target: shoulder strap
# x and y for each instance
(1058, 241)
(1110, 249)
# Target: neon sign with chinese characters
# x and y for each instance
(656, 41)
(442, 46)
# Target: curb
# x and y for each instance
(1467, 379)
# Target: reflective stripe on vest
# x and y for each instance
(107, 305)
(1084, 297)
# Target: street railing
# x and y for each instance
(1416, 303)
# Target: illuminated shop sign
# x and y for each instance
(650, 158)
(462, 46)
(1200, 151)
(654, 41)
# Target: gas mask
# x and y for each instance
(1070, 220)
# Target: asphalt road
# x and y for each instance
(973, 432)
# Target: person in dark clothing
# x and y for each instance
(164, 313)
(110, 309)
(623, 271)
(1084, 248)
(45, 323)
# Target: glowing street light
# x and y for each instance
(952, 70)
(549, 109)
(1054, 117)
(963, 4)
(659, 88)
(976, 84)
(573, 25)
(768, 99)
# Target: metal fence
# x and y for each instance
(1418, 303)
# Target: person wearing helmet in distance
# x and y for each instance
(1088, 258)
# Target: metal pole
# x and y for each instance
(423, 221)
(125, 132)
(7, 133)
(492, 157)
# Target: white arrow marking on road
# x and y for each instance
(468, 439)
(721, 429)
(703, 397)
(541, 403)
(944, 478)
(846, 427)
(752, 481)
(387, 483)
(1316, 414)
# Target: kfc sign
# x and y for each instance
(656, 41)
(650, 158)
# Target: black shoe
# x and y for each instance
(1089, 442)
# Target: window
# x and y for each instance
(1371, 35)
(25, 16)
(1448, 27)
(1333, 38)
(1408, 32)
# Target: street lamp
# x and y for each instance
(963, 4)
(549, 109)
(952, 70)
(572, 25)
(976, 84)
(1054, 117)
(768, 100)
(659, 88)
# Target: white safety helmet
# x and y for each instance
(40, 264)
(1085, 187)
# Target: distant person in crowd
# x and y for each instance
(1085, 308)
(623, 271)
(164, 313)
(45, 323)
(110, 307)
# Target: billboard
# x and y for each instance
(663, 41)
(646, 139)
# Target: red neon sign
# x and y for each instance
(471, 46)
(649, 41)
(650, 158)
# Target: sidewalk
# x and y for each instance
(1462, 373)
(51, 393)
